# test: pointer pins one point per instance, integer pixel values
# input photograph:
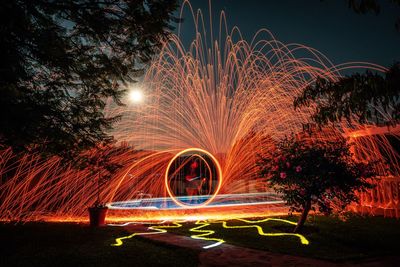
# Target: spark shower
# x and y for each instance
(222, 94)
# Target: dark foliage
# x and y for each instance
(366, 6)
(61, 62)
(362, 95)
(102, 161)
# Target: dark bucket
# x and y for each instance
(97, 216)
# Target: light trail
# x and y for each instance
(205, 234)
(261, 232)
(157, 229)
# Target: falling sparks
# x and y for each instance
(225, 95)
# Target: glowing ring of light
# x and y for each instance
(219, 170)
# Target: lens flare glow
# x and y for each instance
(136, 96)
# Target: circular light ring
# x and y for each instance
(219, 171)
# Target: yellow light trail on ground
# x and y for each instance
(159, 230)
(260, 230)
(204, 234)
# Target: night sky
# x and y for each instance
(328, 26)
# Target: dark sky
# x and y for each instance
(328, 26)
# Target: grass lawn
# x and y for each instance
(330, 239)
(56, 244)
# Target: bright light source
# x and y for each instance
(135, 96)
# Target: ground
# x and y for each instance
(330, 238)
(56, 244)
(369, 240)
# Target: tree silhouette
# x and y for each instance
(61, 61)
(368, 97)
(366, 6)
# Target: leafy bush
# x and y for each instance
(313, 173)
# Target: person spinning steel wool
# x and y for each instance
(193, 180)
